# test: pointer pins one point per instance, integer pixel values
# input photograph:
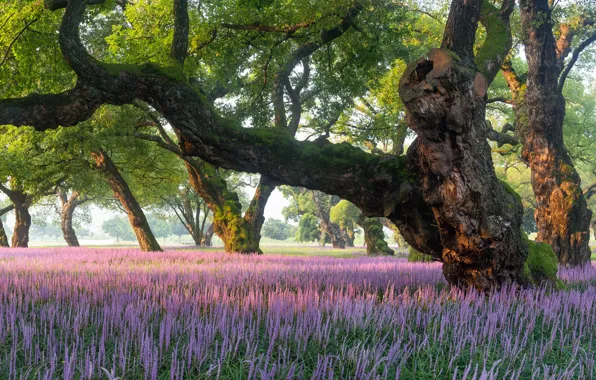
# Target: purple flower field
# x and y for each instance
(107, 314)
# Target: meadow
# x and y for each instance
(82, 313)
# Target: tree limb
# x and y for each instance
(574, 57)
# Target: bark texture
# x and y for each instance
(69, 204)
(374, 237)
(122, 192)
(478, 219)
(22, 225)
(562, 215)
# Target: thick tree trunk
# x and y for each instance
(69, 204)
(122, 192)
(255, 214)
(562, 215)
(22, 224)
(479, 220)
(374, 237)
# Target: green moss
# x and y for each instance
(498, 38)
(174, 72)
(415, 256)
(510, 190)
(541, 264)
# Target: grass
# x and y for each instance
(69, 312)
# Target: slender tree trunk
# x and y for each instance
(374, 237)
(208, 236)
(22, 224)
(562, 215)
(122, 192)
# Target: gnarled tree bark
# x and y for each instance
(122, 192)
(562, 215)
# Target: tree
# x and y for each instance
(304, 201)
(562, 215)
(190, 210)
(160, 227)
(277, 230)
(345, 214)
(444, 195)
(68, 205)
(178, 228)
(118, 227)
(308, 228)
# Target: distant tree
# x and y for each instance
(177, 228)
(160, 227)
(308, 229)
(278, 230)
(119, 228)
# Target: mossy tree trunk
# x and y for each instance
(136, 216)
(239, 233)
(322, 211)
(374, 237)
(562, 215)
(479, 221)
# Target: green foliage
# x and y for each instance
(278, 230)
(119, 228)
(542, 264)
(346, 215)
(415, 256)
(308, 228)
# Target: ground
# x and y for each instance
(118, 313)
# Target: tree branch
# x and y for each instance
(574, 57)
(181, 26)
(498, 40)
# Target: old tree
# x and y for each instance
(443, 194)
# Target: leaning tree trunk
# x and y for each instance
(478, 219)
(562, 215)
(374, 237)
(22, 224)
(122, 192)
